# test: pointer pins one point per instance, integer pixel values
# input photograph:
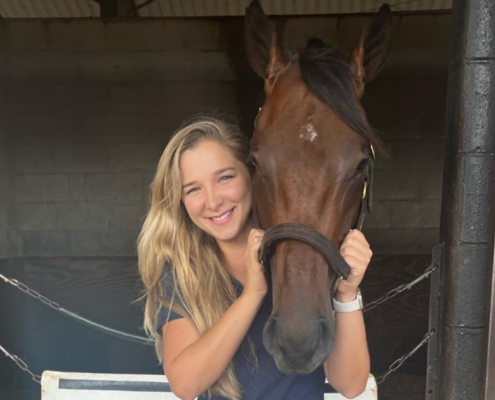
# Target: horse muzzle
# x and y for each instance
(301, 350)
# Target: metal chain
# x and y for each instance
(33, 293)
(398, 363)
(400, 289)
(111, 331)
(22, 365)
(393, 367)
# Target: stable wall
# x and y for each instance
(7, 193)
(90, 105)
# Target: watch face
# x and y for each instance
(360, 298)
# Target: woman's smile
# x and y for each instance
(223, 218)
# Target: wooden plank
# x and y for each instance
(84, 386)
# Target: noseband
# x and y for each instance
(303, 233)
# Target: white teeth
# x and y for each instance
(222, 217)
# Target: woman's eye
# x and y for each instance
(225, 178)
(192, 190)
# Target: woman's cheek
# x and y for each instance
(192, 206)
(247, 187)
(234, 192)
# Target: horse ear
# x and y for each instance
(261, 42)
(369, 56)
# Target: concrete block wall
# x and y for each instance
(90, 106)
(7, 205)
(7, 224)
(406, 105)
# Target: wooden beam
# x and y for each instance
(108, 8)
(137, 8)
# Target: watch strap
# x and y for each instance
(350, 306)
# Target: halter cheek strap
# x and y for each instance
(366, 199)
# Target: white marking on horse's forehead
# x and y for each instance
(308, 132)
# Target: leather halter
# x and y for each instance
(294, 231)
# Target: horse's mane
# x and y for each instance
(328, 75)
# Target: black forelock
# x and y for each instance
(328, 75)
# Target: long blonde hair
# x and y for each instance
(204, 289)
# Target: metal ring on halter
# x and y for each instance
(336, 284)
(365, 188)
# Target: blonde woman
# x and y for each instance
(207, 298)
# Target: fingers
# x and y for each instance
(356, 251)
(254, 243)
(255, 234)
(255, 238)
(356, 236)
(355, 242)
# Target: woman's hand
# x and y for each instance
(357, 253)
(255, 283)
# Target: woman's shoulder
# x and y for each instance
(168, 279)
(171, 298)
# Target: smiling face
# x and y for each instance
(216, 191)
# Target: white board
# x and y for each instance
(86, 386)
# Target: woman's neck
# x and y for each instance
(234, 254)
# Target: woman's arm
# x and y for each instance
(193, 362)
(348, 366)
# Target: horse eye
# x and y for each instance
(362, 165)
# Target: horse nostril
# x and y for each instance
(323, 324)
(270, 335)
(326, 332)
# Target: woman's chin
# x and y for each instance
(228, 235)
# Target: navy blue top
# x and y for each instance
(266, 382)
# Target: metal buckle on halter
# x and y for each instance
(336, 284)
(366, 182)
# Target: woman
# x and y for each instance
(207, 297)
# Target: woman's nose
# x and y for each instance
(214, 200)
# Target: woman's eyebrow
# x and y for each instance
(217, 172)
(222, 170)
(188, 184)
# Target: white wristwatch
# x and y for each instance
(351, 306)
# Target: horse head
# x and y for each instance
(313, 150)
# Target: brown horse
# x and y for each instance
(311, 148)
